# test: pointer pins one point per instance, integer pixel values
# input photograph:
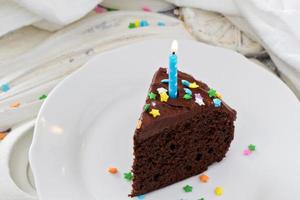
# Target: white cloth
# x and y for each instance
(274, 22)
(20, 13)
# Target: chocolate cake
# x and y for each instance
(179, 138)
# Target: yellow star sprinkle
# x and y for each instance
(193, 85)
(218, 95)
(164, 97)
(155, 112)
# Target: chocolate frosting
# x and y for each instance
(170, 110)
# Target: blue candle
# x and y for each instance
(173, 71)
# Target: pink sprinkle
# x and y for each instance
(198, 96)
(146, 9)
(99, 9)
(246, 152)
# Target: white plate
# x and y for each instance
(87, 123)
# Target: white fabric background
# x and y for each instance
(275, 23)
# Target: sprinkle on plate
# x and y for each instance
(204, 178)
(128, 176)
(218, 191)
(188, 188)
(112, 170)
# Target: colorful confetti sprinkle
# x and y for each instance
(188, 188)
(139, 124)
(136, 23)
(15, 104)
(146, 107)
(247, 152)
(155, 113)
(146, 9)
(218, 95)
(198, 96)
(212, 93)
(185, 83)
(144, 23)
(131, 26)
(193, 85)
(2, 135)
(141, 197)
(204, 178)
(152, 96)
(112, 170)
(187, 97)
(161, 90)
(218, 191)
(99, 9)
(187, 91)
(251, 147)
(164, 97)
(43, 97)
(128, 176)
(5, 87)
(165, 81)
(199, 101)
(217, 102)
(161, 23)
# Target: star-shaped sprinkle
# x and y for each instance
(193, 85)
(165, 81)
(199, 101)
(212, 93)
(152, 96)
(146, 107)
(187, 97)
(128, 176)
(218, 191)
(188, 188)
(198, 96)
(218, 95)
(187, 91)
(252, 147)
(43, 97)
(164, 97)
(5, 87)
(139, 124)
(155, 113)
(217, 102)
(161, 90)
(247, 152)
(141, 197)
(185, 83)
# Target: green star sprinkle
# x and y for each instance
(152, 96)
(187, 97)
(128, 176)
(146, 107)
(212, 93)
(43, 97)
(251, 147)
(188, 188)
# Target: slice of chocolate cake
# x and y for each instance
(179, 138)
